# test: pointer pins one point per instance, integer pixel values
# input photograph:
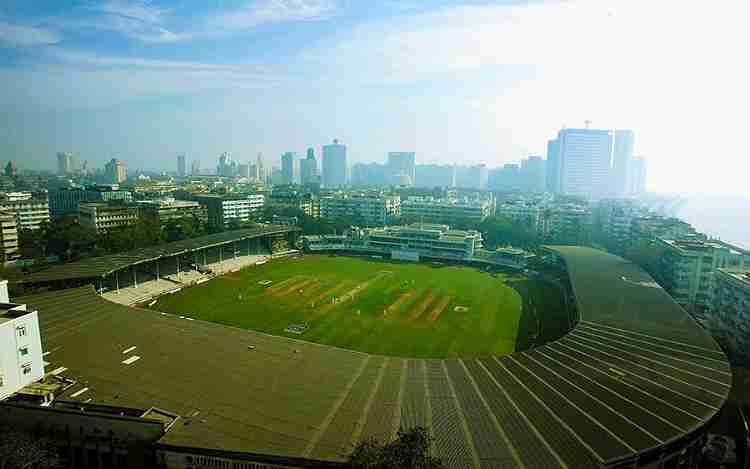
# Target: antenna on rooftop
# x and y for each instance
(587, 123)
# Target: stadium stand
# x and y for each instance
(635, 383)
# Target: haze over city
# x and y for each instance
(473, 82)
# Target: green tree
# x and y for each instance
(410, 450)
(19, 450)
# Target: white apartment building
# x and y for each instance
(729, 317)
(449, 210)
(223, 209)
(8, 237)
(689, 265)
(20, 345)
(373, 210)
(105, 217)
(30, 212)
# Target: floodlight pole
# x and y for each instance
(117, 280)
(135, 278)
(204, 258)
(157, 269)
(178, 267)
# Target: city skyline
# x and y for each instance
(143, 82)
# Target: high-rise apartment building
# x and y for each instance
(334, 165)
(181, 167)
(308, 168)
(401, 168)
(585, 162)
(115, 171)
(288, 160)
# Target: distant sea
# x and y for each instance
(723, 217)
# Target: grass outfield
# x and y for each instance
(389, 308)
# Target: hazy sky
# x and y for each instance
(469, 82)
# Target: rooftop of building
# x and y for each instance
(742, 276)
(634, 375)
(98, 267)
(11, 311)
(698, 244)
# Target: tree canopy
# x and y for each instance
(410, 450)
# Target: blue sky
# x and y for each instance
(483, 81)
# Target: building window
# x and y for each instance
(21, 331)
(23, 351)
(2, 381)
(26, 368)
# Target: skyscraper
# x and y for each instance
(287, 167)
(309, 168)
(223, 167)
(10, 169)
(553, 166)
(334, 165)
(622, 156)
(115, 171)
(259, 169)
(401, 168)
(585, 162)
(64, 163)
(533, 174)
(181, 169)
(195, 167)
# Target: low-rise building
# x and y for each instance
(729, 314)
(566, 224)
(409, 242)
(305, 202)
(30, 211)
(448, 210)
(8, 237)
(370, 209)
(20, 345)
(223, 209)
(527, 214)
(65, 201)
(688, 267)
(104, 217)
(170, 209)
(614, 222)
